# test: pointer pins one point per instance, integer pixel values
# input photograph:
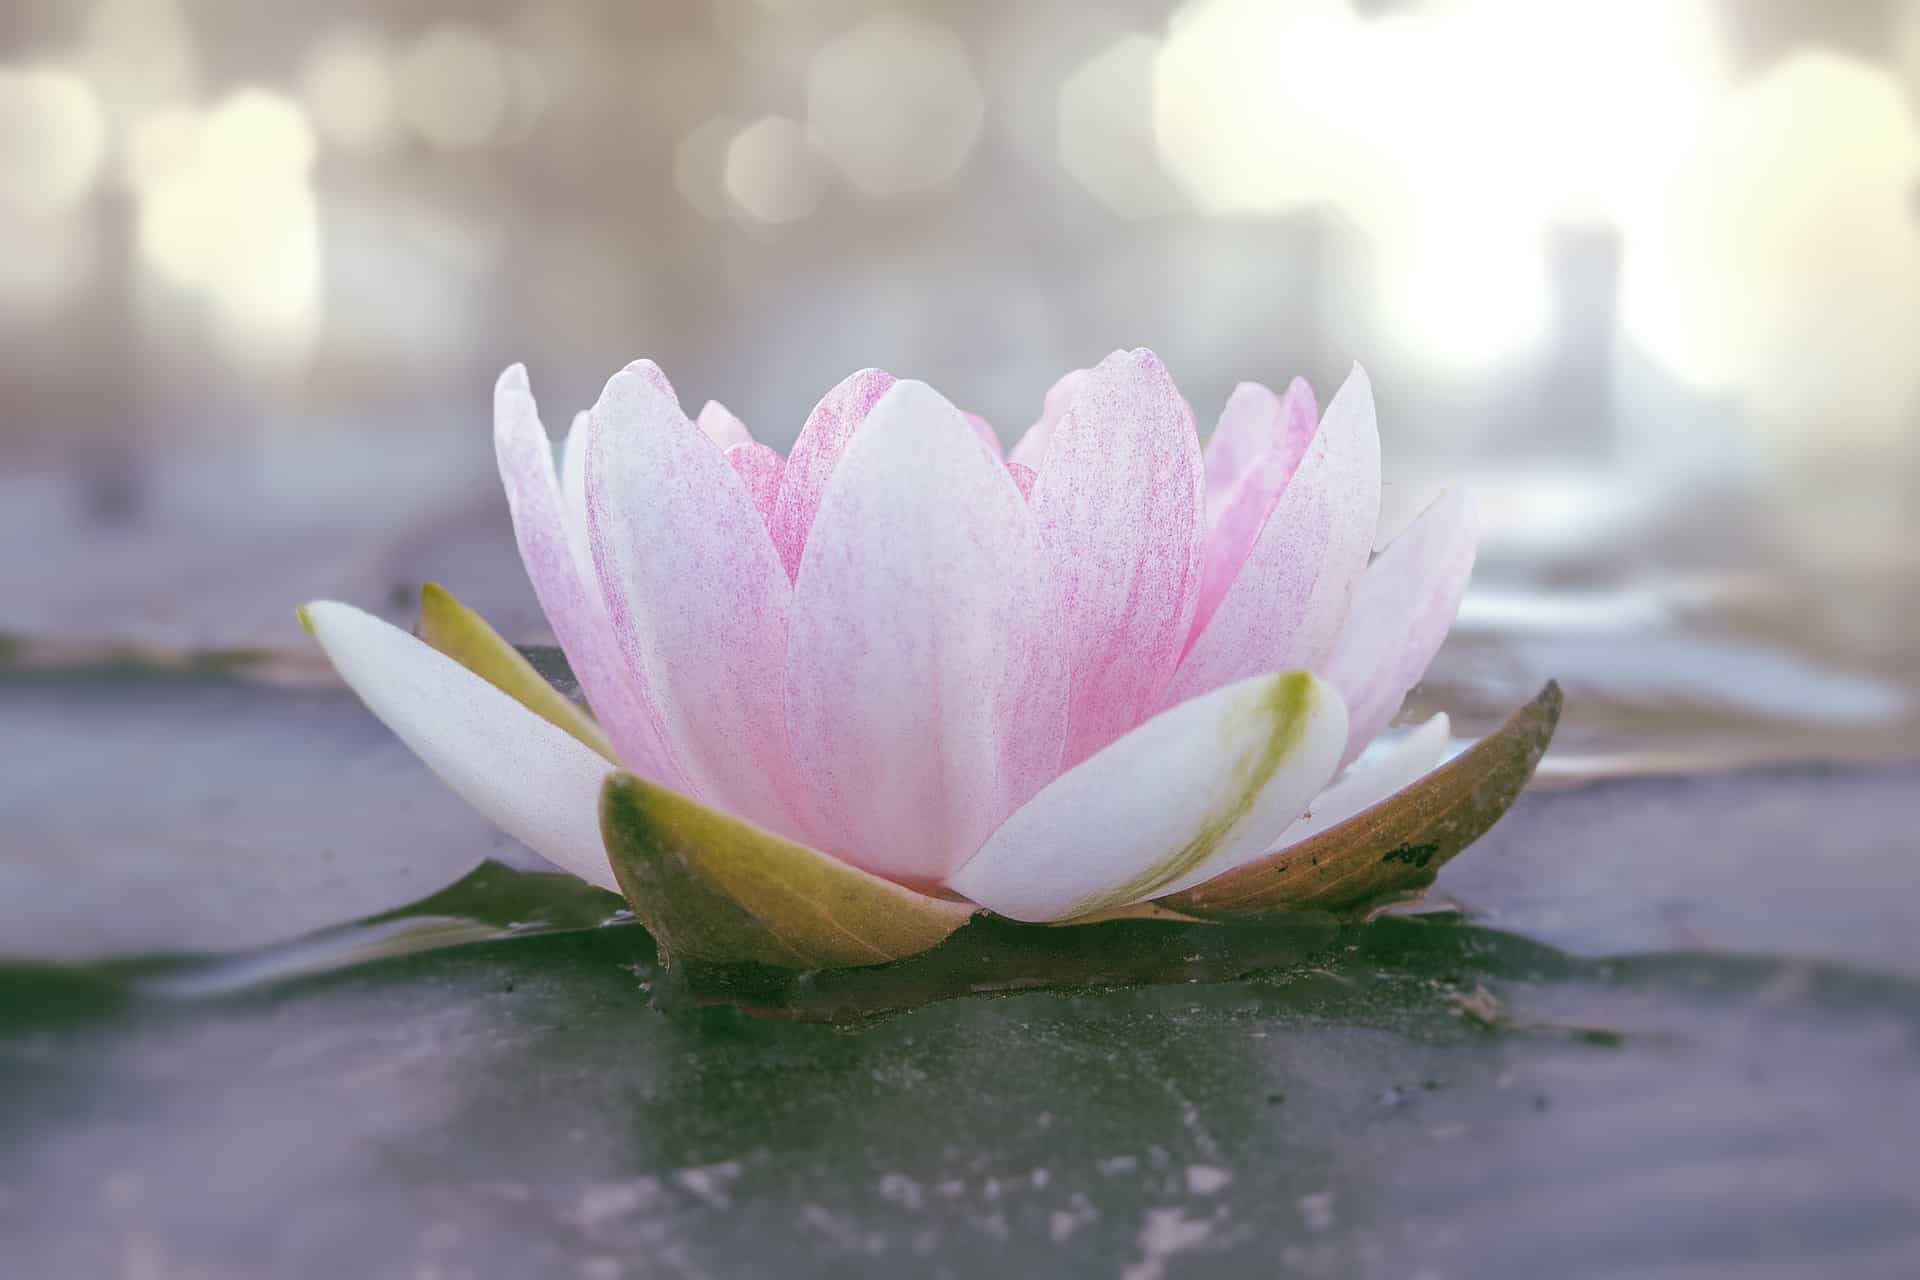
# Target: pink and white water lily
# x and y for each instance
(1104, 668)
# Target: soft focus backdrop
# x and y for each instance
(1645, 272)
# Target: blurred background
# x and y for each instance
(1646, 273)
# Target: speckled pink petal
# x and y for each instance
(1023, 478)
(1031, 449)
(926, 668)
(1118, 502)
(696, 596)
(570, 598)
(1237, 513)
(721, 426)
(816, 451)
(1402, 610)
(759, 467)
(1254, 424)
(1285, 607)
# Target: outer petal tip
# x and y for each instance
(1193, 791)
(530, 778)
(1395, 846)
(722, 426)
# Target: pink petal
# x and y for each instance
(1273, 436)
(988, 436)
(1284, 609)
(759, 467)
(1119, 506)
(1253, 424)
(1402, 611)
(1023, 478)
(811, 461)
(696, 596)
(552, 545)
(1031, 449)
(722, 427)
(926, 675)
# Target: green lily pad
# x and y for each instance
(1396, 848)
(710, 886)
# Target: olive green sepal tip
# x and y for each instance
(1391, 852)
(464, 636)
(710, 887)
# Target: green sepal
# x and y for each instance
(464, 636)
(713, 888)
(1393, 850)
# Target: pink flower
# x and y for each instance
(1102, 670)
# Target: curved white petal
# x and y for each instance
(1369, 781)
(926, 670)
(1402, 611)
(1285, 607)
(550, 528)
(534, 781)
(1188, 794)
(697, 597)
(573, 498)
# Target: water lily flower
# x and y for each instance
(844, 699)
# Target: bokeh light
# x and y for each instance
(139, 54)
(700, 164)
(1453, 135)
(227, 211)
(348, 85)
(771, 172)
(453, 88)
(1784, 261)
(1106, 130)
(53, 139)
(894, 103)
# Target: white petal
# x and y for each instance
(1401, 614)
(534, 781)
(1188, 794)
(573, 499)
(1373, 778)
